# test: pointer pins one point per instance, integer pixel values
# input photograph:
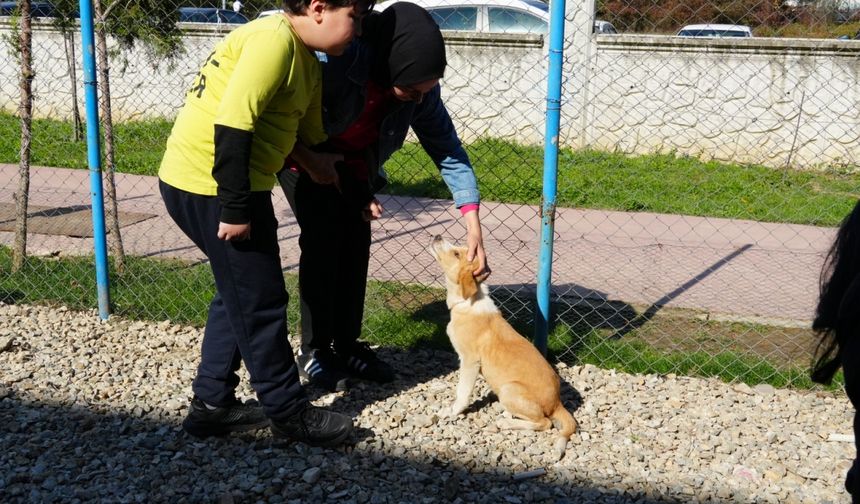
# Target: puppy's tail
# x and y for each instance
(567, 426)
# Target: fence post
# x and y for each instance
(550, 172)
(94, 157)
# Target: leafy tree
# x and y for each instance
(21, 41)
(667, 16)
(152, 25)
(65, 20)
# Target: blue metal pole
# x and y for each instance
(94, 157)
(550, 172)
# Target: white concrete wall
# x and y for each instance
(777, 102)
(141, 86)
(772, 101)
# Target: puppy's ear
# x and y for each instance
(468, 284)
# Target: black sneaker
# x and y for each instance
(314, 426)
(360, 361)
(238, 417)
(320, 367)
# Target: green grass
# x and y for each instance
(139, 144)
(662, 183)
(511, 173)
(407, 316)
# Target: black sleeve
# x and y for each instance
(232, 156)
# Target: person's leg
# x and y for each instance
(317, 209)
(217, 381)
(354, 256)
(250, 307)
(352, 264)
(250, 285)
(255, 298)
(214, 410)
(218, 389)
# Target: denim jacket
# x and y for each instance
(344, 88)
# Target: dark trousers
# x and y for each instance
(247, 317)
(849, 353)
(335, 250)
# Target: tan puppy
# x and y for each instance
(525, 383)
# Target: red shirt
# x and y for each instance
(362, 133)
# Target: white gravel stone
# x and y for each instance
(91, 412)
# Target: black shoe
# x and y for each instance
(320, 367)
(360, 361)
(238, 417)
(314, 426)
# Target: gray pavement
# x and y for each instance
(724, 268)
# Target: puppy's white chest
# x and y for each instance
(453, 337)
(452, 334)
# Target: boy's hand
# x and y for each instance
(234, 232)
(318, 165)
(372, 211)
(321, 168)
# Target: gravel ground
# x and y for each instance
(90, 411)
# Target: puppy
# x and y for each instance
(525, 383)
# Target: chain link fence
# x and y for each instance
(700, 177)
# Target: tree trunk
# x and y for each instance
(19, 250)
(111, 208)
(69, 41)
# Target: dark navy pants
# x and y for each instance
(247, 317)
(335, 251)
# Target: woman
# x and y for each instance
(384, 84)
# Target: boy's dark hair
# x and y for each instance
(837, 316)
(298, 7)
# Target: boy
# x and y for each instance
(256, 93)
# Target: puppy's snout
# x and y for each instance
(436, 244)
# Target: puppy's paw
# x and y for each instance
(453, 411)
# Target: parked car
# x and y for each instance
(269, 12)
(604, 27)
(210, 15)
(715, 30)
(37, 9)
(492, 16)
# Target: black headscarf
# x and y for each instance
(408, 46)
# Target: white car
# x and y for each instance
(492, 16)
(604, 27)
(266, 13)
(715, 30)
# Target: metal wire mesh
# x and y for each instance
(700, 178)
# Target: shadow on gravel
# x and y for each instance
(56, 453)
